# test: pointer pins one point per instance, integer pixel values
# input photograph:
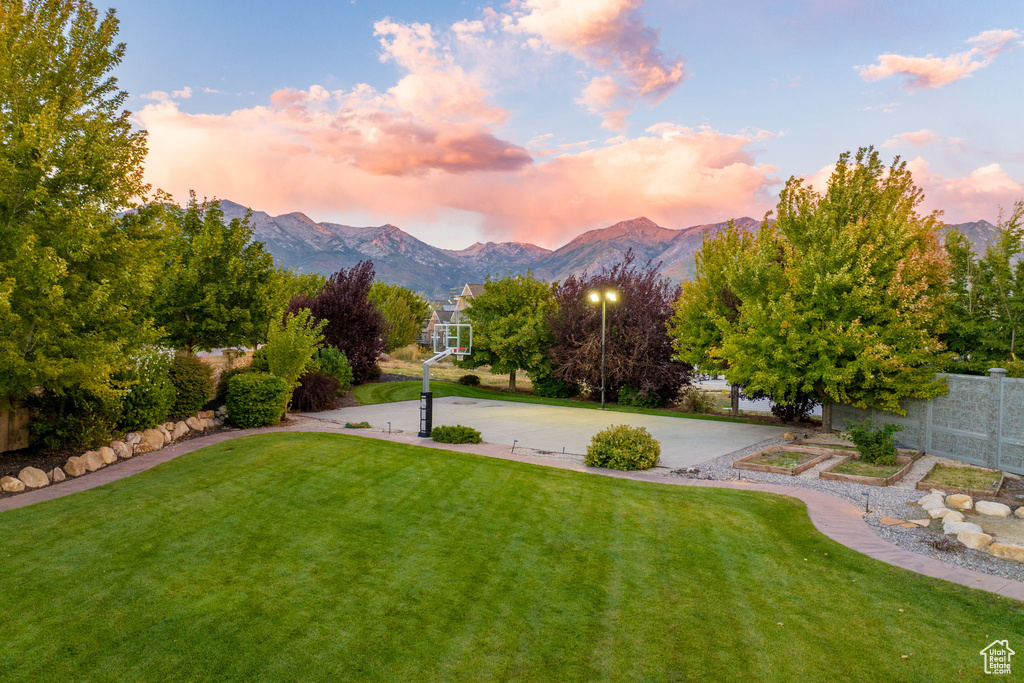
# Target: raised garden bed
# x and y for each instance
(838, 444)
(962, 479)
(790, 460)
(858, 471)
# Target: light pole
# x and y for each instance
(595, 297)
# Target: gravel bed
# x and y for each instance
(891, 501)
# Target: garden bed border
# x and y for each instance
(822, 453)
(950, 490)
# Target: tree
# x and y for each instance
(354, 325)
(638, 348)
(842, 298)
(963, 336)
(405, 313)
(510, 330)
(220, 288)
(999, 286)
(74, 278)
(291, 346)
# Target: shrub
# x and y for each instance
(256, 399)
(875, 444)
(260, 363)
(631, 396)
(693, 400)
(357, 425)
(317, 391)
(623, 448)
(334, 362)
(456, 434)
(225, 378)
(796, 410)
(470, 380)
(193, 384)
(552, 387)
(75, 419)
(150, 394)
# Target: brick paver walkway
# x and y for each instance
(832, 516)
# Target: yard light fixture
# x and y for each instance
(604, 298)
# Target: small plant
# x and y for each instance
(549, 386)
(456, 434)
(256, 399)
(623, 448)
(334, 362)
(317, 391)
(469, 380)
(876, 444)
(944, 544)
(357, 425)
(631, 396)
(193, 384)
(693, 400)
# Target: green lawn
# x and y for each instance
(388, 392)
(320, 557)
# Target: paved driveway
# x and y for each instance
(684, 442)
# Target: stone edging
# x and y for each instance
(831, 515)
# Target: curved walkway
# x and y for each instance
(832, 516)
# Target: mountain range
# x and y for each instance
(297, 241)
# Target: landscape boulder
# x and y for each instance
(108, 455)
(57, 475)
(153, 438)
(985, 507)
(929, 502)
(1007, 551)
(180, 430)
(132, 437)
(11, 485)
(194, 424)
(166, 434)
(974, 539)
(940, 513)
(75, 466)
(33, 478)
(1019, 512)
(959, 501)
(218, 422)
(121, 449)
(92, 460)
(954, 528)
(953, 516)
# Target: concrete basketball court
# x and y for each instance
(684, 442)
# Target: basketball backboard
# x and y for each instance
(454, 337)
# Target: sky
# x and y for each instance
(535, 120)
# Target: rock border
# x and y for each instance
(969, 534)
(131, 445)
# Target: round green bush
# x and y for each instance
(193, 384)
(332, 361)
(631, 396)
(259, 360)
(623, 448)
(550, 386)
(470, 380)
(256, 399)
(456, 434)
(225, 378)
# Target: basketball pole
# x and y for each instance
(427, 396)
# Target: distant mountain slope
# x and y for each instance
(298, 241)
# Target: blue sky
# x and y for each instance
(538, 119)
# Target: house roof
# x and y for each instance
(444, 316)
(473, 289)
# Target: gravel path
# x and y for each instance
(892, 501)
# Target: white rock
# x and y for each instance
(33, 478)
(108, 455)
(929, 502)
(985, 507)
(1019, 512)
(132, 437)
(218, 422)
(953, 517)
(940, 513)
(974, 539)
(57, 475)
(954, 528)
(960, 501)
(12, 484)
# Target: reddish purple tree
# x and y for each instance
(639, 368)
(354, 325)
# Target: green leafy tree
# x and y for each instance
(292, 345)
(998, 284)
(220, 288)
(963, 336)
(74, 277)
(510, 329)
(405, 313)
(843, 296)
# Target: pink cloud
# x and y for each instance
(611, 36)
(922, 138)
(328, 163)
(935, 72)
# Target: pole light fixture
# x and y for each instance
(603, 298)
